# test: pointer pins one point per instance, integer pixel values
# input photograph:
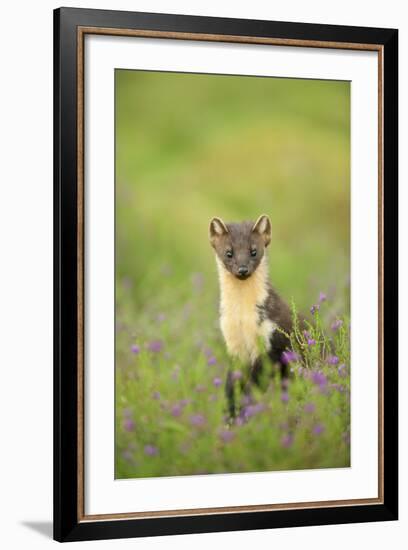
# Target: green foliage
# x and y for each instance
(173, 401)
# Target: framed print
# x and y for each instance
(225, 223)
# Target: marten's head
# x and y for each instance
(240, 247)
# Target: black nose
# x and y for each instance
(243, 270)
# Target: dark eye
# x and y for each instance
(229, 253)
(253, 252)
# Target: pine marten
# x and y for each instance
(250, 309)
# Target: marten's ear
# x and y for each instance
(263, 227)
(217, 229)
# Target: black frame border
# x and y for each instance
(66, 524)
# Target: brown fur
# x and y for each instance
(250, 308)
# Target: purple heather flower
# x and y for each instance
(284, 397)
(245, 400)
(217, 381)
(322, 297)
(176, 410)
(342, 370)
(252, 410)
(135, 349)
(289, 356)
(151, 450)
(184, 402)
(336, 324)
(128, 425)
(156, 395)
(314, 308)
(127, 455)
(155, 346)
(239, 421)
(319, 379)
(208, 352)
(211, 361)
(339, 387)
(236, 375)
(332, 360)
(318, 429)
(287, 440)
(311, 341)
(197, 420)
(226, 436)
(310, 407)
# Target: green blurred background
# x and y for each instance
(192, 146)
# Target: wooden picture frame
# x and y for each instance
(70, 519)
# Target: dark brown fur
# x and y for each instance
(242, 239)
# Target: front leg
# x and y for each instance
(230, 394)
(252, 376)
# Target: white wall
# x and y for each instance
(26, 270)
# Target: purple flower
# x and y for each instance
(135, 349)
(252, 410)
(342, 370)
(184, 402)
(211, 361)
(289, 356)
(156, 395)
(336, 324)
(226, 436)
(155, 346)
(245, 400)
(314, 308)
(217, 381)
(319, 379)
(151, 450)
(318, 429)
(332, 360)
(311, 341)
(175, 372)
(208, 352)
(236, 375)
(322, 297)
(176, 410)
(127, 455)
(287, 440)
(306, 334)
(284, 397)
(128, 425)
(197, 420)
(310, 407)
(339, 387)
